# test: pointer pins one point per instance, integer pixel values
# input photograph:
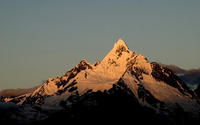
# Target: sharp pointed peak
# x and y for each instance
(84, 63)
(120, 38)
(120, 42)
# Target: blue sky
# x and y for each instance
(45, 38)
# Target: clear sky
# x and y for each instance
(45, 38)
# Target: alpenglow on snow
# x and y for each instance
(152, 85)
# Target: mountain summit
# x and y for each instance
(122, 79)
(120, 43)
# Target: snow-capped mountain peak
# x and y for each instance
(120, 43)
(151, 84)
(118, 54)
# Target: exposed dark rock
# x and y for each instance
(72, 89)
(166, 75)
(97, 63)
(121, 49)
(73, 72)
(137, 72)
(197, 91)
(67, 88)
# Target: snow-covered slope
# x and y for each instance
(151, 84)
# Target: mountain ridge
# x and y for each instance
(122, 70)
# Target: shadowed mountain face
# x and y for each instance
(190, 77)
(197, 91)
(123, 87)
(174, 68)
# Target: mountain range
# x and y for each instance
(191, 77)
(123, 87)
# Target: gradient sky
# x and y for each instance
(45, 38)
